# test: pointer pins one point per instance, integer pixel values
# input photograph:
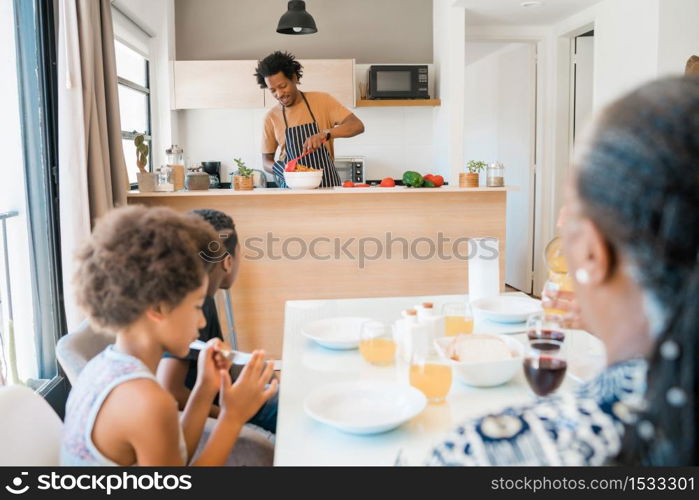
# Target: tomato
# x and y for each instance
(348, 184)
(388, 182)
(437, 180)
(428, 177)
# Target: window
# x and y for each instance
(134, 102)
(30, 292)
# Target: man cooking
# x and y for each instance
(303, 121)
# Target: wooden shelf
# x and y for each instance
(367, 103)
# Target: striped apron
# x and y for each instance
(320, 158)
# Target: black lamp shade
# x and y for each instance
(296, 21)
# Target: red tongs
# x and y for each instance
(291, 164)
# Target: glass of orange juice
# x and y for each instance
(458, 318)
(376, 343)
(558, 279)
(431, 374)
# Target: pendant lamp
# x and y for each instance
(296, 21)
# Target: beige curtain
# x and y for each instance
(92, 171)
(106, 170)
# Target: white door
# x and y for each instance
(516, 137)
(499, 125)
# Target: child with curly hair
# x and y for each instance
(141, 276)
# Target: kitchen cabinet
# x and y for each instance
(334, 76)
(231, 84)
(216, 84)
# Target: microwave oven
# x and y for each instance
(398, 82)
(350, 168)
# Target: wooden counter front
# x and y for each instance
(276, 226)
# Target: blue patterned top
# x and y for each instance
(581, 428)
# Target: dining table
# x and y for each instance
(303, 441)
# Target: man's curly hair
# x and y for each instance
(139, 257)
(276, 62)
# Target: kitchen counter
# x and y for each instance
(344, 243)
(321, 191)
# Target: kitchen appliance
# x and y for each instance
(213, 168)
(398, 82)
(197, 181)
(350, 168)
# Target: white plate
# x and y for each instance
(506, 309)
(335, 333)
(365, 406)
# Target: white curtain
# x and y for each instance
(72, 155)
(92, 172)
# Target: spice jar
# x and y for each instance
(175, 160)
(495, 175)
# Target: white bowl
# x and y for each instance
(506, 309)
(483, 373)
(364, 406)
(303, 180)
(335, 333)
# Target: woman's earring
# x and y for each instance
(582, 276)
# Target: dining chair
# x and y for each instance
(31, 431)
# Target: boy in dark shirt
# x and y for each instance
(178, 375)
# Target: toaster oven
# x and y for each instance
(350, 168)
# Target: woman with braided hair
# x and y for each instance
(631, 238)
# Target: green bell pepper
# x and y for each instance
(413, 179)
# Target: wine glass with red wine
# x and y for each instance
(545, 366)
(542, 326)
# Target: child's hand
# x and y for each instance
(209, 365)
(243, 399)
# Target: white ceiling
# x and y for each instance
(511, 13)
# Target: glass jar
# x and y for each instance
(175, 155)
(175, 160)
(165, 179)
(495, 175)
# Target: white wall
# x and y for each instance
(449, 56)
(626, 47)
(395, 139)
(678, 35)
(481, 121)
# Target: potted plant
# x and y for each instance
(470, 178)
(146, 180)
(242, 179)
